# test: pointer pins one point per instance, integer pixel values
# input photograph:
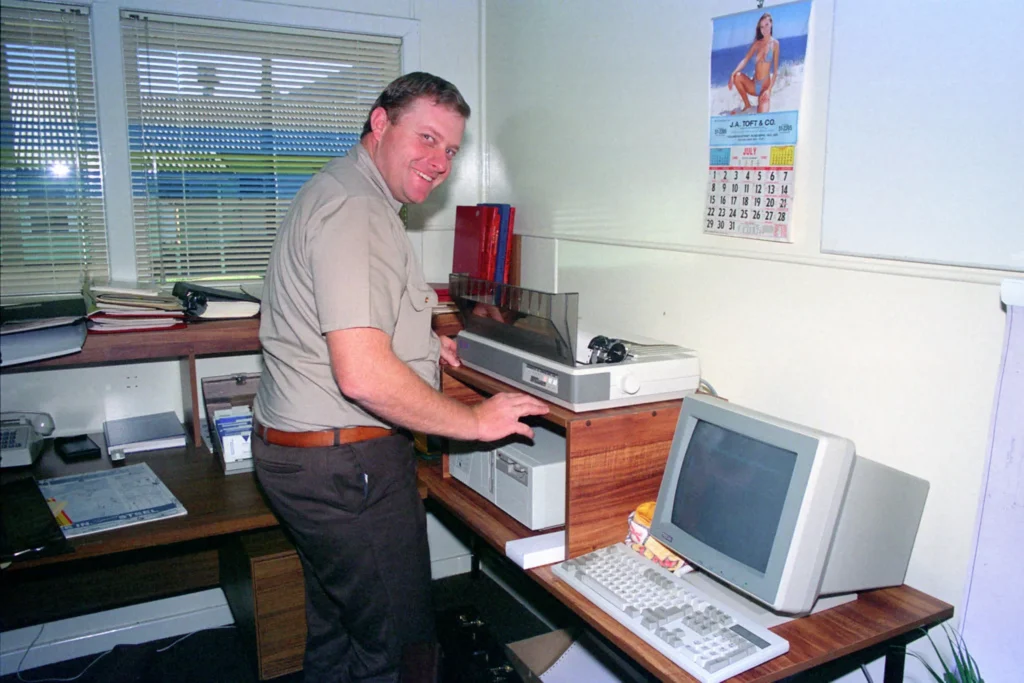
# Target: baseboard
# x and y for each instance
(58, 641)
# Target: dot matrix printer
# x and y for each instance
(529, 339)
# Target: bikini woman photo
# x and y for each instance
(765, 53)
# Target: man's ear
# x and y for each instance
(378, 120)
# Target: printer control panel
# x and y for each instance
(539, 377)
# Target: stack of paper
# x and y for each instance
(135, 321)
(537, 551)
(130, 307)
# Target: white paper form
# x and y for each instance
(109, 499)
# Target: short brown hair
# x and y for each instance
(406, 89)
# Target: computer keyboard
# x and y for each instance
(671, 614)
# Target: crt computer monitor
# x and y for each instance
(780, 512)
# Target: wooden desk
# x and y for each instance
(217, 505)
(205, 548)
(878, 623)
(142, 562)
(599, 444)
(227, 539)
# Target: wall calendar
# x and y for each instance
(757, 68)
(750, 192)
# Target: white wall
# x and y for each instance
(597, 130)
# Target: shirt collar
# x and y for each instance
(365, 163)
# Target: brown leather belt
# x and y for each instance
(327, 437)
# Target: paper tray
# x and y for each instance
(541, 323)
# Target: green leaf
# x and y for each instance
(965, 668)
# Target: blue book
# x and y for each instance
(504, 211)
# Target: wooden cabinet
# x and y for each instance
(262, 578)
(614, 461)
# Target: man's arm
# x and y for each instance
(369, 373)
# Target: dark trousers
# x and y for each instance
(359, 526)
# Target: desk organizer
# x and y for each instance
(223, 392)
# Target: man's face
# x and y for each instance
(415, 154)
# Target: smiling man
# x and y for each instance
(349, 356)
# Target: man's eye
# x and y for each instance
(451, 153)
(427, 137)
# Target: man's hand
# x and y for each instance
(369, 373)
(498, 416)
(449, 352)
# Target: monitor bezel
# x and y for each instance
(797, 558)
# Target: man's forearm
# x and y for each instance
(401, 397)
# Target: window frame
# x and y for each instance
(115, 163)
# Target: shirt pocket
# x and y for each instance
(413, 340)
(421, 295)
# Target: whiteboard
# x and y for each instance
(925, 137)
(990, 616)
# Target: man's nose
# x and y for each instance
(440, 162)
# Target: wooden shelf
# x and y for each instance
(488, 521)
(614, 461)
(198, 339)
(211, 338)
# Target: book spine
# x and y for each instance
(493, 230)
(507, 265)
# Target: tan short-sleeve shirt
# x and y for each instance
(341, 260)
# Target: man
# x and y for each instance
(348, 356)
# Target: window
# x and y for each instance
(226, 121)
(52, 228)
(209, 127)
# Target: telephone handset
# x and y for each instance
(21, 437)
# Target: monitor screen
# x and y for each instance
(730, 493)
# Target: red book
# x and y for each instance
(491, 253)
(476, 229)
(442, 291)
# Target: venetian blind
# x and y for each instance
(51, 194)
(226, 122)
